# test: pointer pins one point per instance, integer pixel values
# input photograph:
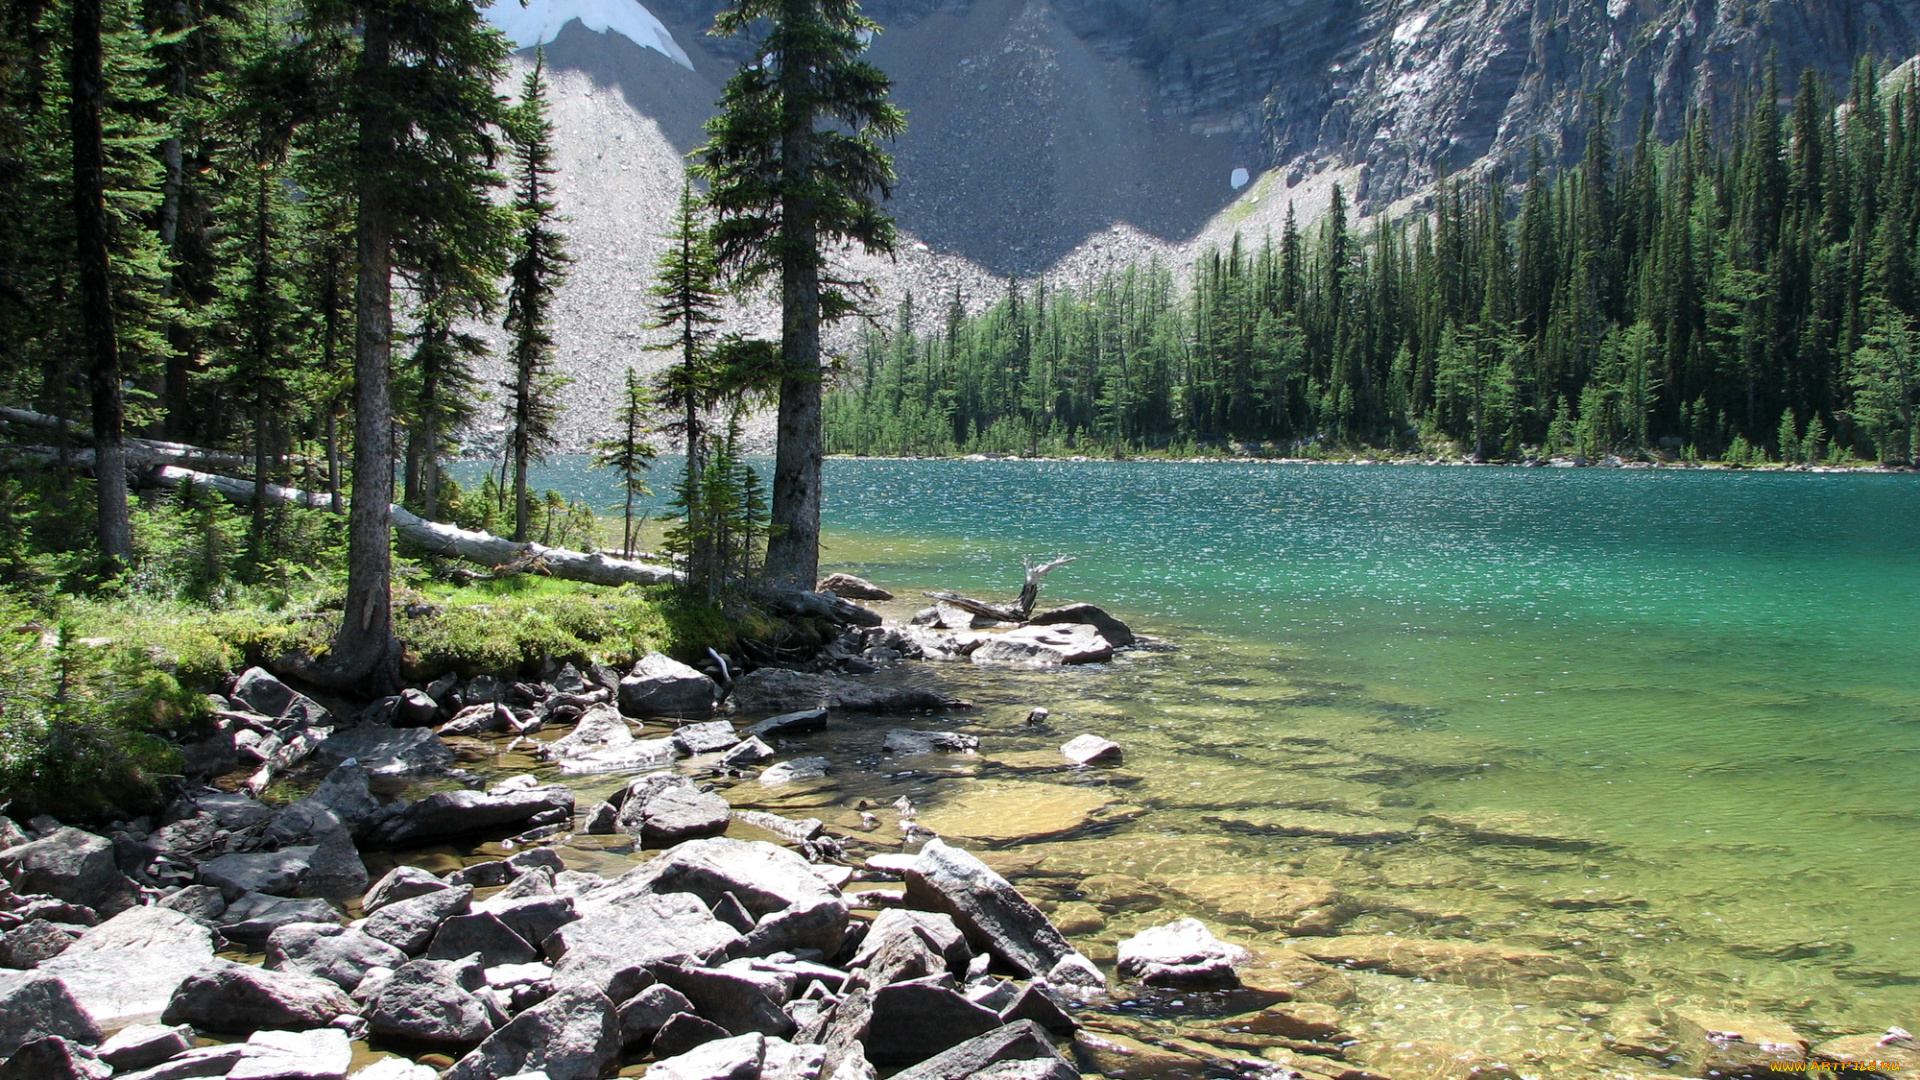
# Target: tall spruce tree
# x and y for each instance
(414, 144)
(687, 304)
(539, 265)
(794, 165)
(629, 453)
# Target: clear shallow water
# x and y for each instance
(1709, 675)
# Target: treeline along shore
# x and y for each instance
(1744, 298)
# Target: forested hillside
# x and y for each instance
(1717, 298)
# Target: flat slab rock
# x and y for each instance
(1469, 963)
(1044, 646)
(1295, 905)
(127, 986)
(1008, 811)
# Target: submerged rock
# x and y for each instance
(1470, 963)
(1182, 954)
(777, 690)
(1725, 1044)
(1011, 811)
(1294, 905)
(1092, 750)
(909, 742)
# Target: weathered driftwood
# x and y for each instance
(477, 547)
(1022, 609)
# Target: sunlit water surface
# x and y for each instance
(1704, 681)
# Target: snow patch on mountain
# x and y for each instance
(538, 22)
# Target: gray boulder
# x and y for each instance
(389, 751)
(334, 870)
(324, 1054)
(994, 916)
(641, 927)
(663, 686)
(51, 1057)
(792, 723)
(31, 943)
(35, 1004)
(572, 1035)
(534, 917)
(268, 696)
(141, 1046)
(915, 1020)
(748, 751)
(644, 1014)
(1092, 750)
(252, 918)
(203, 902)
(1116, 633)
(128, 986)
(415, 709)
(348, 793)
(423, 1003)
(663, 809)
(448, 814)
(599, 729)
(276, 873)
(740, 1058)
(792, 906)
(849, 587)
(400, 883)
(707, 738)
(147, 928)
(1031, 1002)
(909, 742)
(1022, 1041)
(329, 951)
(683, 1032)
(409, 925)
(70, 865)
(740, 1001)
(484, 934)
(1045, 646)
(486, 718)
(901, 945)
(795, 771)
(1181, 954)
(237, 997)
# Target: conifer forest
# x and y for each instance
(1747, 296)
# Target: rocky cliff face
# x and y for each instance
(1055, 137)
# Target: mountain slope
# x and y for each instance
(1059, 137)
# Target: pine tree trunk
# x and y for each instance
(522, 409)
(96, 289)
(365, 653)
(793, 552)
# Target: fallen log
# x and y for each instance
(486, 549)
(140, 452)
(1023, 609)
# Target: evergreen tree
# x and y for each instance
(538, 268)
(687, 304)
(629, 454)
(414, 145)
(794, 166)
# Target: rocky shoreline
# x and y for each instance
(516, 931)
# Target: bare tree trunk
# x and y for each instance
(365, 654)
(337, 500)
(96, 286)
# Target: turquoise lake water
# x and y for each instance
(1713, 673)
